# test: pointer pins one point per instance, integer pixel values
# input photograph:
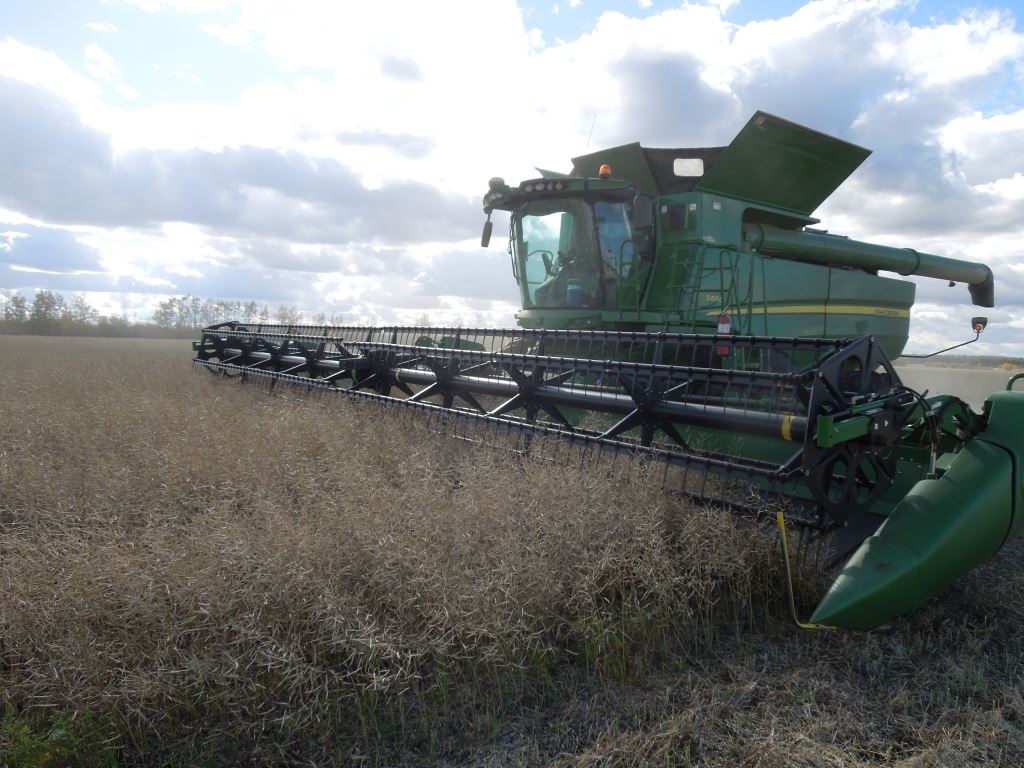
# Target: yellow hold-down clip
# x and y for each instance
(781, 520)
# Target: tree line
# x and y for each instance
(49, 313)
(192, 312)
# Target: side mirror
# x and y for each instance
(643, 211)
(485, 238)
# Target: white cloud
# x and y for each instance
(37, 67)
(7, 239)
(1007, 189)
(973, 46)
(184, 72)
(984, 148)
(101, 26)
(16, 218)
(126, 90)
(229, 34)
(133, 255)
(101, 64)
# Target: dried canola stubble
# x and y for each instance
(183, 558)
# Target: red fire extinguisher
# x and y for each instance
(724, 328)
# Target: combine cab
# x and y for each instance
(678, 305)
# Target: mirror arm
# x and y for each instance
(947, 349)
(978, 325)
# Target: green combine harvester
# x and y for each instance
(679, 305)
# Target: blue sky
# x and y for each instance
(332, 156)
(165, 56)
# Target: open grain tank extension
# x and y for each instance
(679, 304)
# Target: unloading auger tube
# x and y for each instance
(922, 488)
(831, 250)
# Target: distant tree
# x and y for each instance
(16, 308)
(288, 315)
(233, 310)
(48, 314)
(198, 312)
(209, 313)
(190, 312)
(82, 313)
(47, 306)
(250, 312)
(113, 323)
(166, 313)
(225, 310)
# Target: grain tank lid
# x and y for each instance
(651, 171)
(780, 164)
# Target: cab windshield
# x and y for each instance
(571, 252)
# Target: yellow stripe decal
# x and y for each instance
(787, 429)
(818, 309)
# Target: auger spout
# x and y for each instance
(832, 250)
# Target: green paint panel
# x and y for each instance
(1005, 428)
(941, 529)
(831, 432)
(882, 307)
(783, 165)
(627, 162)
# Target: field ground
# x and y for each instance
(972, 385)
(198, 574)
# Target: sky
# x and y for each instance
(332, 156)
